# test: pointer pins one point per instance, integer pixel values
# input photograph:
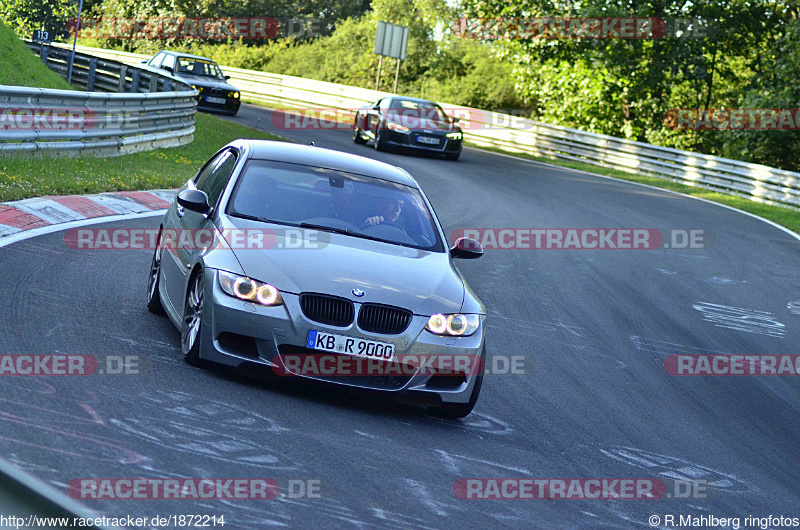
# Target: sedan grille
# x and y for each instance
(218, 92)
(327, 309)
(383, 319)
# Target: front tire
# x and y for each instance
(193, 320)
(153, 295)
(380, 145)
(357, 138)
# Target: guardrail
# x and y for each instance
(124, 110)
(519, 135)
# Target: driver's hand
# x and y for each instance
(372, 221)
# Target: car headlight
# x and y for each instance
(397, 127)
(249, 290)
(234, 95)
(457, 325)
(454, 135)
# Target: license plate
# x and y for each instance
(369, 349)
(218, 101)
(427, 140)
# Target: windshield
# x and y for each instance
(421, 110)
(356, 205)
(199, 67)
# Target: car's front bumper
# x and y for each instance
(231, 105)
(237, 334)
(411, 140)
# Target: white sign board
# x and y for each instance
(391, 40)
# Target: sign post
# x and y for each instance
(74, 42)
(391, 40)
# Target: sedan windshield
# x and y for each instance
(347, 203)
(199, 67)
(422, 110)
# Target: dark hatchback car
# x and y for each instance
(408, 123)
(215, 94)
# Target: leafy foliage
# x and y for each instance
(26, 16)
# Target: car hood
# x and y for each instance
(421, 281)
(203, 81)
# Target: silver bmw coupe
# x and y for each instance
(322, 265)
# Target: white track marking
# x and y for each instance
(741, 319)
(36, 232)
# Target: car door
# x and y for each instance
(212, 180)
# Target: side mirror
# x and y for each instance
(455, 120)
(194, 200)
(466, 248)
(145, 62)
(227, 78)
(168, 69)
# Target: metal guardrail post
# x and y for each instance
(92, 74)
(123, 74)
(135, 81)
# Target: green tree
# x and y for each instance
(26, 16)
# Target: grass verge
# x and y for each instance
(21, 67)
(786, 217)
(24, 175)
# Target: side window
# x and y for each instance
(385, 102)
(156, 61)
(215, 176)
(169, 62)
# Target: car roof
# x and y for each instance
(405, 98)
(320, 157)
(188, 55)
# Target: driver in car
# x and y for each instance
(389, 212)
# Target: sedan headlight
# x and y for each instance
(457, 325)
(249, 290)
(397, 127)
(234, 95)
(454, 135)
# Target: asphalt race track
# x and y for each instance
(595, 401)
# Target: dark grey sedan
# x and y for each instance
(214, 92)
(321, 265)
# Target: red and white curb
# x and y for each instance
(44, 214)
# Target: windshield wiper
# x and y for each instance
(326, 228)
(254, 218)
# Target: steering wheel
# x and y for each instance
(385, 221)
